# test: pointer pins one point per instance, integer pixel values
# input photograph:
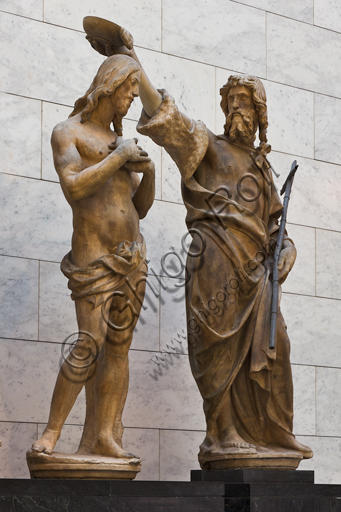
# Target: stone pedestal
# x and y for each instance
(259, 490)
(81, 467)
(209, 491)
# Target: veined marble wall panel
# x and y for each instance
(179, 453)
(16, 440)
(141, 442)
(302, 277)
(27, 378)
(328, 399)
(36, 219)
(328, 269)
(314, 326)
(173, 325)
(291, 116)
(29, 8)
(326, 460)
(154, 152)
(171, 180)
(191, 84)
(221, 33)
(316, 193)
(291, 119)
(147, 331)
(302, 11)
(168, 400)
(57, 317)
(301, 55)
(52, 115)
(19, 298)
(141, 17)
(20, 135)
(44, 61)
(327, 129)
(162, 229)
(304, 399)
(327, 14)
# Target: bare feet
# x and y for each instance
(231, 444)
(109, 448)
(47, 442)
(233, 440)
(291, 443)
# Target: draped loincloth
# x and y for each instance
(102, 276)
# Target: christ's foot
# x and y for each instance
(109, 448)
(47, 442)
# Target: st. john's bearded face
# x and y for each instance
(241, 121)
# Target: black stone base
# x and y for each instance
(256, 490)
(209, 491)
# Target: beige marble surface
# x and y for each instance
(30, 8)
(173, 325)
(326, 460)
(20, 136)
(328, 398)
(327, 129)
(327, 14)
(328, 270)
(142, 17)
(15, 437)
(49, 70)
(170, 400)
(179, 453)
(304, 399)
(36, 220)
(296, 55)
(225, 34)
(302, 10)
(316, 193)
(19, 294)
(314, 326)
(27, 378)
(57, 317)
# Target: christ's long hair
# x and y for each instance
(111, 74)
(259, 100)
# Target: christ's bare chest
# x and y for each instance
(94, 147)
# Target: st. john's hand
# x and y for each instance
(286, 260)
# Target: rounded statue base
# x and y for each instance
(261, 459)
(81, 467)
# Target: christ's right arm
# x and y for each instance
(77, 182)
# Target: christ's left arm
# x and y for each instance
(144, 190)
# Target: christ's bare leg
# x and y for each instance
(113, 376)
(73, 374)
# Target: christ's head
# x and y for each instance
(244, 105)
(118, 77)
